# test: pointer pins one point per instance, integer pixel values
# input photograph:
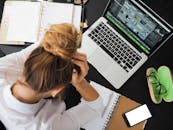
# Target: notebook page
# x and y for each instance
(4, 25)
(24, 21)
(109, 100)
(55, 13)
(77, 16)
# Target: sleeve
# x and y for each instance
(77, 116)
(11, 65)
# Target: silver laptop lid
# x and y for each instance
(142, 27)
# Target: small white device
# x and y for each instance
(137, 115)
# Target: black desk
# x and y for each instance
(136, 87)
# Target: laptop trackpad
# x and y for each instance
(100, 60)
(88, 46)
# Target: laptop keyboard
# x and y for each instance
(122, 53)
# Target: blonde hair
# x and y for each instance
(62, 40)
(49, 65)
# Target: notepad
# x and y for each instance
(110, 100)
(115, 105)
(25, 21)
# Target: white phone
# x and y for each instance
(137, 115)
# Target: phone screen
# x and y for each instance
(137, 115)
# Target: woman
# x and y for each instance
(29, 77)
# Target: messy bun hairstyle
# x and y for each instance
(49, 65)
(62, 40)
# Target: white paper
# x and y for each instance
(77, 16)
(109, 97)
(4, 25)
(24, 22)
(55, 13)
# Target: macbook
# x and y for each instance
(122, 40)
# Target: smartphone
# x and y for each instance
(137, 115)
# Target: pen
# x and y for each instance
(82, 16)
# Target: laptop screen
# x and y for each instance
(137, 23)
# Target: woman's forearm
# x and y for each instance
(87, 91)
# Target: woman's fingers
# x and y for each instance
(80, 56)
(82, 64)
(80, 60)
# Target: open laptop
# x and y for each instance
(120, 41)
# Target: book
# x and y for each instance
(115, 105)
(25, 21)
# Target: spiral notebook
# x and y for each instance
(110, 100)
(115, 105)
(26, 21)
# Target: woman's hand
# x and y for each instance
(80, 60)
(78, 78)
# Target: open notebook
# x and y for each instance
(25, 21)
(115, 105)
(110, 100)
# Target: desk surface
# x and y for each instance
(136, 87)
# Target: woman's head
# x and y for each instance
(49, 65)
(62, 40)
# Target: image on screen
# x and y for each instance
(136, 24)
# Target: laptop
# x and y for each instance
(122, 40)
(1, 53)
